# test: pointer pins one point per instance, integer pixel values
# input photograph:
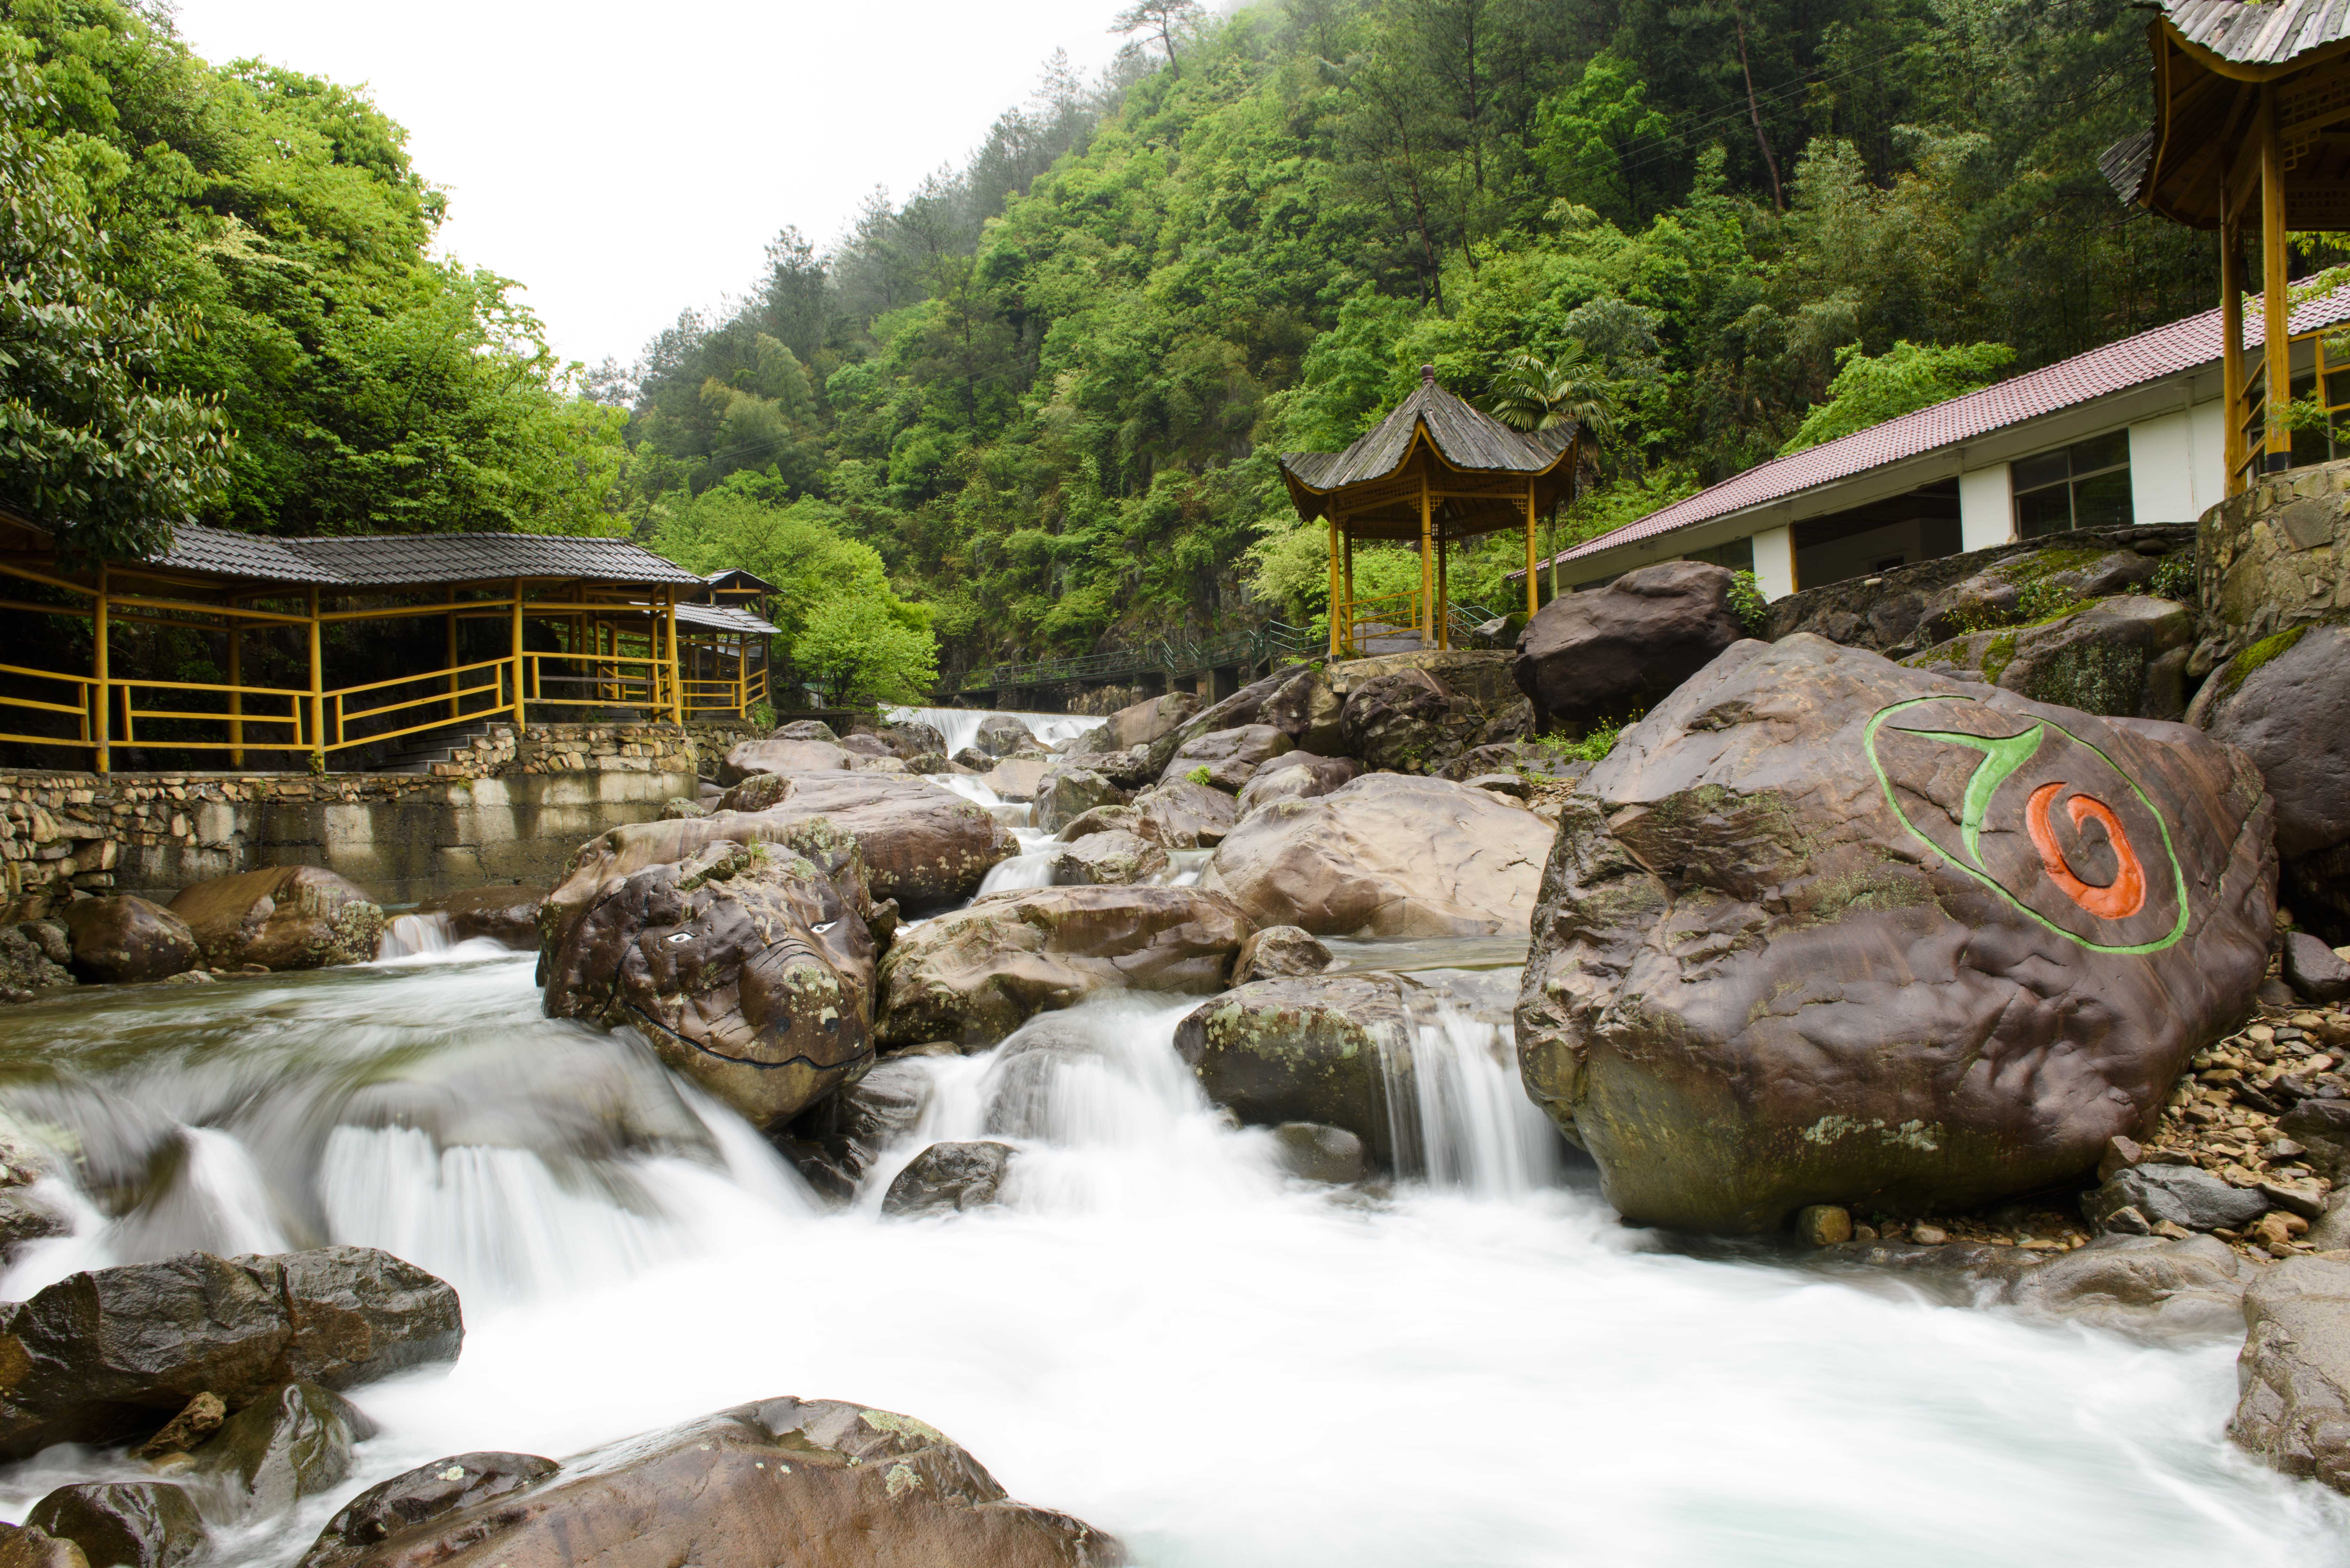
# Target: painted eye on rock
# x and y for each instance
(678, 938)
(819, 930)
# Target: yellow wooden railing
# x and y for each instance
(2328, 378)
(737, 696)
(1376, 614)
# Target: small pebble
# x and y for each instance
(1928, 1235)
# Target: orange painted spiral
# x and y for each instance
(2119, 899)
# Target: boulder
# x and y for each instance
(1312, 1152)
(2124, 656)
(1481, 675)
(25, 1546)
(289, 917)
(1409, 723)
(108, 1356)
(949, 1178)
(507, 915)
(293, 1443)
(1100, 819)
(1326, 1049)
(198, 1420)
(1107, 860)
(1524, 758)
(33, 958)
(1387, 856)
(1017, 778)
(2180, 1194)
(2293, 1405)
(784, 757)
(1824, 930)
(746, 967)
(2142, 1286)
(1130, 769)
(877, 765)
(973, 760)
(865, 745)
(1231, 757)
(911, 738)
(126, 941)
(1068, 793)
(1302, 706)
(972, 974)
(678, 806)
(1294, 775)
(2315, 970)
(813, 1481)
(835, 1141)
(1608, 653)
(923, 845)
(1143, 724)
(2322, 1127)
(2286, 701)
(133, 1524)
(807, 730)
(1279, 952)
(1182, 815)
(1001, 735)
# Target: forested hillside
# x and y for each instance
(1033, 407)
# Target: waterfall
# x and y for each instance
(960, 725)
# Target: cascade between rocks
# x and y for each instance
(1156, 1330)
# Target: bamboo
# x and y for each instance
(522, 723)
(104, 716)
(2276, 349)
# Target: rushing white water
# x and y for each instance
(1156, 1330)
(960, 725)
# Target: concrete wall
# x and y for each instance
(1986, 508)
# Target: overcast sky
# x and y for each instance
(625, 162)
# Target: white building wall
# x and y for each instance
(1774, 562)
(2162, 469)
(1986, 508)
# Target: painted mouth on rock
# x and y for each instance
(696, 1046)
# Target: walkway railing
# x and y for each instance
(1274, 643)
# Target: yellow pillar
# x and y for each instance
(2231, 338)
(1443, 597)
(1349, 540)
(522, 721)
(1532, 603)
(676, 688)
(103, 709)
(236, 692)
(318, 690)
(2276, 347)
(1427, 567)
(1336, 608)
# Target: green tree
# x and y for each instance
(854, 651)
(1868, 391)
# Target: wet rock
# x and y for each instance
(841, 1484)
(1182, 815)
(2292, 1408)
(2179, 1193)
(678, 808)
(1809, 851)
(1279, 952)
(104, 1356)
(2140, 1284)
(973, 974)
(1229, 757)
(1822, 1224)
(127, 942)
(1146, 724)
(27, 965)
(1296, 775)
(1000, 736)
(746, 967)
(2124, 656)
(1068, 793)
(1387, 856)
(867, 745)
(807, 730)
(1327, 1049)
(507, 915)
(288, 1445)
(786, 758)
(973, 760)
(1130, 769)
(2315, 970)
(1313, 1152)
(1023, 1088)
(949, 1178)
(1101, 819)
(199, 1419)
(921, 845)
(1615, 651)
(835, 1141)
(1409, 723)
(1017, 778)
(912, 738)
(1305, 708)
(23, 1546)
(2322, 1127)
(1107, 860)
(396, 1506)
(290, 917)
(2286, 702)
(135, 1525)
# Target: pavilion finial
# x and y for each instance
(1428, 375)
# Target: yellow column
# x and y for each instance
(236, 691)
(103, 709)
(1336, 608)
(1349, 539)
(1443, 597)
(2276, 347)
(521, 716)
(318, 689)
(1427, 567)
(676, 688)
(1533, 602)
(2231, 338)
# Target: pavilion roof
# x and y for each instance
(1465, 437)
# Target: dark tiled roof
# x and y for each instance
(218, 552)
(389, 560)
(1463, 436)
(2259, 35)
(723, 618)
(2125, 162)
(2115, 367)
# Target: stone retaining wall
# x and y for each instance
(506, 807)
(2272, 558)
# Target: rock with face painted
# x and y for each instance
(1824, 929)
(749, 967)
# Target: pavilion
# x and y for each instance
(1434, 472)
(559, 625)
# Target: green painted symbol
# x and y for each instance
(2003, 757)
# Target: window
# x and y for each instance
(2085, 485)
(1738, 556)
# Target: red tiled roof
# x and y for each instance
(2115, 367)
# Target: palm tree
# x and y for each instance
(1530, 393)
